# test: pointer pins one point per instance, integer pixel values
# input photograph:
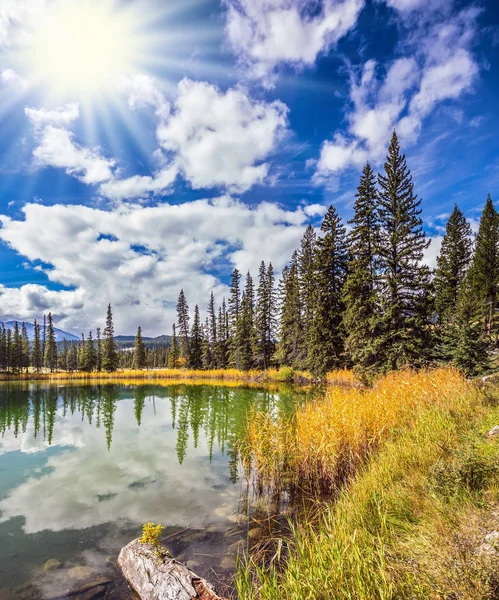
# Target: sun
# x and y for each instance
(78, 48)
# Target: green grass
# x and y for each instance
(409, 525)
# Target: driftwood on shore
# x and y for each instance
(154, 577)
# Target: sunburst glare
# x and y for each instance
(79, 48)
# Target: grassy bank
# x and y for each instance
(282, 375)
(405, 487)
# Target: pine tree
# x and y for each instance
(72, 357)
(233, 315)
(290, 348)
(63, 357)
(265, 317)
(206, 353)
(245, 330)
(36, 357)
(452, 264)
(212, 316)
(196, 350)
(306, 274)
(221, 350)
(50, 357)
(99, 351)
(109, 353)
(325, 351)
(17, 349)
(360, 293)
(25, 348)
(486, 269)
(139, 357)
(44, 336)
(3, 347)
(174, 354)
(81, 353)
(90, 358)
(404, 280)
(183, 325)
(464, 339)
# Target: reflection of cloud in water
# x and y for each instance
(140, 480)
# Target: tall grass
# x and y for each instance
(284, 375)
(411, 521)
(329, 439)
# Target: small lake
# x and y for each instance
(82, 467)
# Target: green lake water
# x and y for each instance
(83, 467)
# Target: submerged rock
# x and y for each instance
(81, 573)
(255, 534)
(154, 577)
(52, 564)
(228, 563)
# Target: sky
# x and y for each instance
(152, 145)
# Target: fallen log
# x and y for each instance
(156, 577)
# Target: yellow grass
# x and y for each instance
(270, 375)
(329, 438)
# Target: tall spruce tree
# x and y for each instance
(463, 337)
(139, 352)
(233, 315)
(17, 349)
(212, 316)
(265, 317)
(90, 358)
(196, 346)
(50, 357)
(325, 351)
(245, 331)
(404, 280)
(221, 350)
(36, 357)
(72, 357)
(174, 354)
(109, 352)
(486, 270)
(452, 264)
(183, 325)
(306, 273)
(99, 350)
(25, 348)
(291, 350)
(360, 292)
(63, 356)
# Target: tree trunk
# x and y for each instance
(153, 577)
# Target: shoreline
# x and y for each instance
(283, 375)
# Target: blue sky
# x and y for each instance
(151, 145)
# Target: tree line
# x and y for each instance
(18, 354)
(361, 299)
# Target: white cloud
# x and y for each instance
(63, 116)
(138, 258)
(441, 68)
(212, 138)
(407, 6)
(265, 33)
(14, 14)
(143, 90)
(12, 80)
(56, 148)
(140, 186)
(219, 139)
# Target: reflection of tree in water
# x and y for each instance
(219, 413)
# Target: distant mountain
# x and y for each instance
(60, 335)
(127, 341)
